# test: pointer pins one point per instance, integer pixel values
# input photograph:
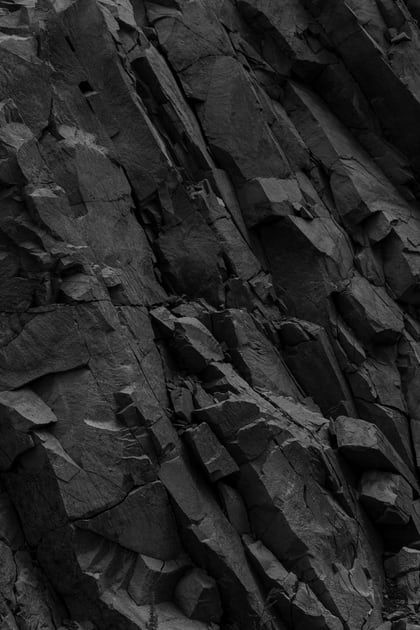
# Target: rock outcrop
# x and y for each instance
(209, 314)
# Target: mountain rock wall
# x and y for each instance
(209, 314)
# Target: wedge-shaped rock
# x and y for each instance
(365, 446)
(386, 497)
(143, 522)
(25, 410)
(212, 455)
(197, 596)
(195, 347)
(264, 199)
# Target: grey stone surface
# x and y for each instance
(209, 327)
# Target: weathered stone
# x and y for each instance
(234, 126)
(142, 522)
(264, 199)
(21, 412)
(182, 402)
(206, 531)
(251, 352)
(227, 417)
(189, 253)
(155, 580)
(312, 361)
(194, 345)
(404, 569)
(366, 447)
(197, 595)
(386, 497)
(212, 456)
(370, 312)
(297, 603)
(49, 342)
(234, 507)
(243, 177)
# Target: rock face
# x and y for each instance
(209, 314)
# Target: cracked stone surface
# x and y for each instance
(209, 314)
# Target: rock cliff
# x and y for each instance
(209, 314)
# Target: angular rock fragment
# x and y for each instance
(142, 522)
(251, 352)
(264, 199)
(311, 358)
(365, 446)
(195, 347)
(154, 579)
(370, 312)
(231, 107)
(212, 456)
(211, 539)
(21, 412)
(296, 602)
(404, 569)
(197, 595)
(182, 402)
(386, 497)
(189, 253)
(307, 258)
(234, 507)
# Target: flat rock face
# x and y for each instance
(209, 324)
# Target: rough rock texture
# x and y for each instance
(209, 314)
